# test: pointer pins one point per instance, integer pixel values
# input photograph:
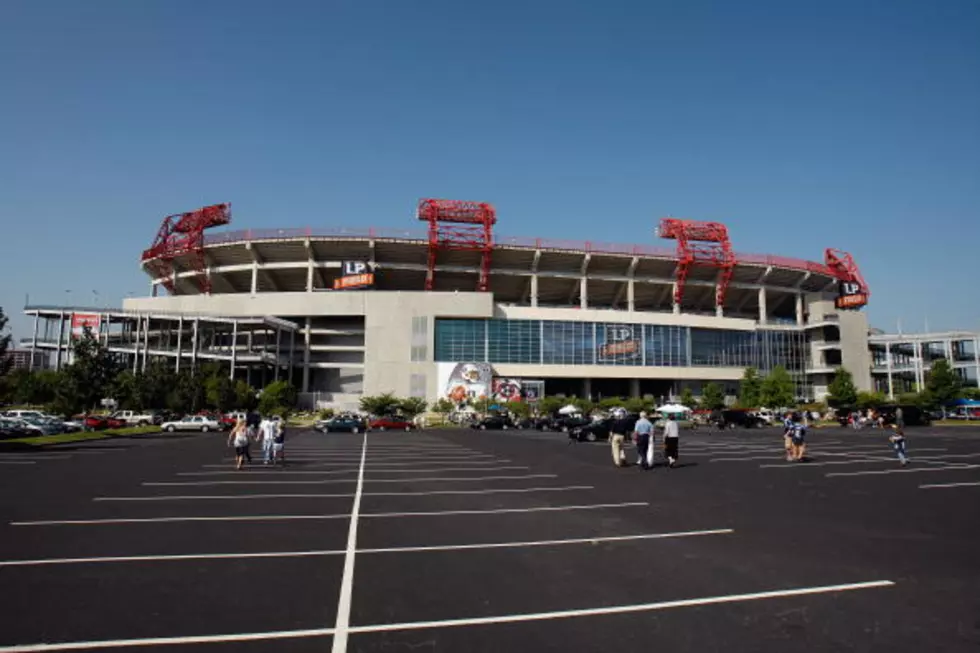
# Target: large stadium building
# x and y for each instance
(348, 312)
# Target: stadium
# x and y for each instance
(454, 309)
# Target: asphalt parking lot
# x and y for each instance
(493, 541)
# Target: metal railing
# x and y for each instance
(520, 242)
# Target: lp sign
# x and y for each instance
(354, 274)
(850, 295)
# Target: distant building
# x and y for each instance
(20, 359)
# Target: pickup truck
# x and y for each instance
(133, 418)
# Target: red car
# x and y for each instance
(96, 422)
(391, 424)
(115, 423)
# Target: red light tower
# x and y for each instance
(703, 244)
(183, 233)
(461, 226)
(853, 291)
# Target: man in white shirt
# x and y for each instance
(643, 431)
(267, 431)
(672, 436)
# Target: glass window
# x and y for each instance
(461, 340)
(568, 343)
(514, 341)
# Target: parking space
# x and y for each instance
(456, 540)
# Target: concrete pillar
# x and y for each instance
(583, 294)
(976, 358)
(278, 339)
(195, 343)
(61, 338)
(920, 373)
(720, 310)
(146, 341)
(306, 355)
(136, 344)
(763, 309)
(634, 388)
(630, 296)
(673, 298)
(586, 388)
(180, 341)
(309, 274)
(255, 277)
(292, 353)
(888, 364)
(799, 309)
(534, 290)
(234, 347)
(30, 365)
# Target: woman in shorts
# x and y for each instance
(238, 438)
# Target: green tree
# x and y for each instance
(126, 389)
(942, 383)
(842, 391)
(277, 398)
(750, 390)
(778, 389)
(638, 405)
(687, 398)
(970, 393)
(219, 391)
(712, 396)
(413, 406)
(383, 404)
(609, 403)
(90, 374)
(866, 400)
(518, 408)
(443, 406)
(187, 394)
(550, 405)
(245, 397)
(156, 384)
(584, 405)
(5, 339)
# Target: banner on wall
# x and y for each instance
(505, 390)
(81, 320)
(621, 342)
(461, 382)
(354, 275)
(850, 295)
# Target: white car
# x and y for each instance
(192, 423)
(134, 418)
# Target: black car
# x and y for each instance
(12, 429)
(493, 423)
(730, 419)
(592, 431)
(911, 415)
(566, 423)
(343, 424)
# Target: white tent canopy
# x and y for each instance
(673, 409)
(568, 410)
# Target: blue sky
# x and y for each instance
(802, 125)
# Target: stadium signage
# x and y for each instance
(79, 321)
(354, 274)
(621, 343)
(850, 295)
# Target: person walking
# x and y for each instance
(238, 438)
(643, 432)
(799, 440)
(672, 436)
(900, 419)
(897, 439)
(279, 442)
(618, 431)
(267, 431)
(788, 436)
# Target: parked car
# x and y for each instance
(38, 426)
(566, 423)
(132, 418)
(10, 428)
(341, 424)
(96, 422)
(391, 424)
(21, 414)
(228, 420)
(735, 418)
(911, 415)
(593, 431)
(192, 423)
(493, 423)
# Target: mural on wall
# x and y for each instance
(465, 381)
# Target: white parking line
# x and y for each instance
(448, 623)
(226, 518)
(774, 455)
(446, 479)
(342, 622)
(18, 462)
(905, 470)
(333, 552)
(282, 472)
(935, 486)
(232, 497)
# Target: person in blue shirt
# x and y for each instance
(644, 434)
(799, 439)
(897, 439)
(788, 436)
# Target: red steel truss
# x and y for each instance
(461, 226)
(183, 233)
(845, 269)
(703, 244)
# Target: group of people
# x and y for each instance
(271, 433)
(794, 437)
(642, 432)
